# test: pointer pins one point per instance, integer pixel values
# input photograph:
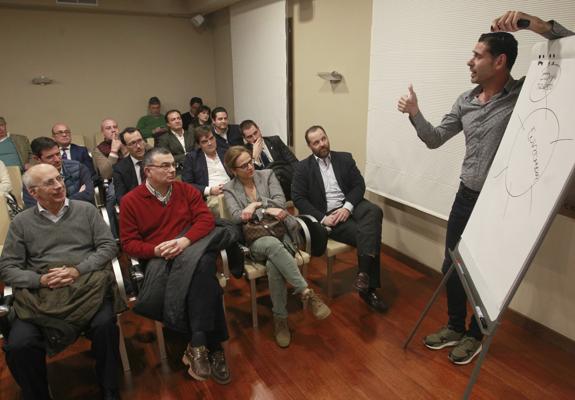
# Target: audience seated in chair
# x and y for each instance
(270, 152)
(77, 178)
(177, 140)
(204, 167)
(63, 285)
(328, 186)
(109, 151)
(129, 173)
(62, 135)
(14, 149)
(204, 117)
(167, 226)
(190, 118)
(225, 133)
(258, 194)
(152, 125)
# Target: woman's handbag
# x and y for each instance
(267, 226)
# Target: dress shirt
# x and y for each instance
(54, 218)
(217, 174)
(137, 167)
(333, 194)
(267, 153)
(181, 139)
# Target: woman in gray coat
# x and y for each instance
(259, 193)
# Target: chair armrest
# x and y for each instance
(7, 300)
(307, 216)
(306, 234)
(119, 279)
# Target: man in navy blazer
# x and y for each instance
(225, 133)
(204, 167)
(328, 186)
(129, 171)
(62, 134)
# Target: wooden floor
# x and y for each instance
(354, 354)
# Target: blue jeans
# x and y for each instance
(463, 205)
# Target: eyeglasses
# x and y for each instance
(164, 166)
(64, 132)
(137, 142)
(246, 165)
(50, 182)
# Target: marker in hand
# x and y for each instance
(521, 23)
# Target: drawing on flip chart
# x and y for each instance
(533, 147)
(548, 79)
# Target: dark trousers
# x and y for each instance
(205, 302)
(26, 354)
(465, 200)
(363, 231)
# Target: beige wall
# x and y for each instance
(103, 65)
(335, 34)
(219, 24)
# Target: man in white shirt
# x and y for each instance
(204, 167)
(62, 134)
(178, 141)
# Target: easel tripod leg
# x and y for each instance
(477, 368)
(428, 306)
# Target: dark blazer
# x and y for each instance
(278, 149)
(234, 134)
(171, 142)
(80, 153)
(124, 177)
(308, 190)
(76, 175)
(188, 120)
(196, 168)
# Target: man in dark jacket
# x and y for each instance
(77, 178)
(328, 186)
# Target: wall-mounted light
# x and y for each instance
(42, 80)
(332, 77)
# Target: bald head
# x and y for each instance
(62, 134)
(35, 174)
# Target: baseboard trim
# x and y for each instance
(538, 329)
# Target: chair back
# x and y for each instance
(4, 220)
(16, 180)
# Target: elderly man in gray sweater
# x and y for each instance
(57, 258)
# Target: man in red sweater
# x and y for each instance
(160, 219)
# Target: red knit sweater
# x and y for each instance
(145, 222)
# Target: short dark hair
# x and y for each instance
(246, 124)
(149, 156)
(195, 100)
(217, 110)
(129, 129)
(169, 112)
(154, 100)
(200, 132)
(312, 129)
(205, 108)
(501, 43)
(40, 144)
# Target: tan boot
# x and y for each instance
(318, 308)
(281, 332)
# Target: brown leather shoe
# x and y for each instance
(361, 283)
(219, 367)
(196, 358)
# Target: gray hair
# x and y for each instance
(149, 156)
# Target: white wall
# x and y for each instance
(260, 64)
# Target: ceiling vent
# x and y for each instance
(77, 2)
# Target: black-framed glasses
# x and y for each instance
(164, 166)
(246, 165)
